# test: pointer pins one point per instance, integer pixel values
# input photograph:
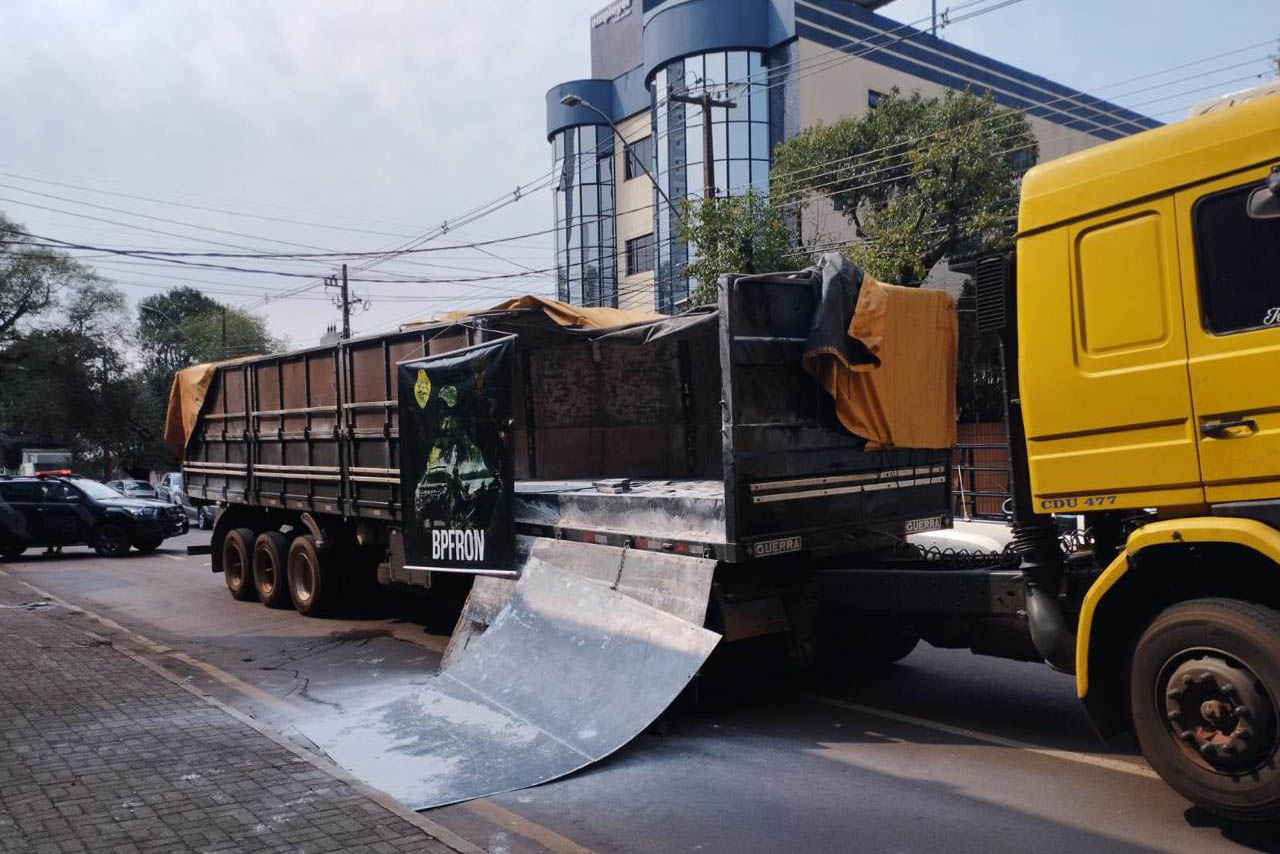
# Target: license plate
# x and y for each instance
(769, 548)
(933, 523)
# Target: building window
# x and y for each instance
(640, 255)
(586, 262)
(874, 98)
(1237, 258)
(1023, 158)
(742, 139)
(639, 157)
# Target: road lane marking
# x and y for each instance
(547, 838)
(1106, 762)
(174, 557)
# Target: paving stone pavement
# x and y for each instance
(100, 754)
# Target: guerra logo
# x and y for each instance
(457, 545)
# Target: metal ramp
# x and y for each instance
(568, 671)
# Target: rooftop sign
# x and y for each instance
(613, 12)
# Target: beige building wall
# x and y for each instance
(842, 90)
(634, 203)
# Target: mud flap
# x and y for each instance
(568, 671)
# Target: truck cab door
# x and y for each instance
(1103, 363)
(1231, 270)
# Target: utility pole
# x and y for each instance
(706, 100)
(346, 306)
(224, 332)
(345, 301)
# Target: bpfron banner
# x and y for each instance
(456, 459)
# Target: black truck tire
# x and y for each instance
(270, 559)
(109, 540)
(313, 578)
(855, 646)
(237, 563)
(1204, 689)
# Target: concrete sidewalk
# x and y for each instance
(99, 752)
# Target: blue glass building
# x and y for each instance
(786, 65)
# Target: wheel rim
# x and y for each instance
(233, 566)
(108, 541)
(1218, 711)
(267, 572)
(303, 575)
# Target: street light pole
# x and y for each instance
(572, 100)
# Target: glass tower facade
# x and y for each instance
(586, 247)
(740, 147)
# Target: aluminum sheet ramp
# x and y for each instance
(569, 671)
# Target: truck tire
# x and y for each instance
(313, 578)
(270, 557)
(861, 647)
(237, 564)
(109, 541)
(1204, 689)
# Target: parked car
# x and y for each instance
(65, 510)
(134, 488)
(170, 488)
(203, 516)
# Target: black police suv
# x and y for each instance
(63, 509)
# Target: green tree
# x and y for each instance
(246, 335)
(160, 320)
(31, 279)
(183, 327)
(921, 179)
(735, 234)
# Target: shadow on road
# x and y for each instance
(1260, 836)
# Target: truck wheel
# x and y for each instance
(204, 518)
(312, 577)
(109, 541)
(237, 563)
(856, 647)
(1205, 692)
(270, 557)
(10, 552)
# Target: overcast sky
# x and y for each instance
(369, 123)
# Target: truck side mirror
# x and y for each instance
(1264, 202)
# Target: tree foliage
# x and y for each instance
(32, 279)
(920, 179)
(737, 234)
(69, 373)
(182, 327)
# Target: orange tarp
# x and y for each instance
(186, 396)
(908, 400)
(569, 316)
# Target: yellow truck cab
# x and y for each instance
(1145, 392)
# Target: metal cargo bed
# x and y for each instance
(714, 404)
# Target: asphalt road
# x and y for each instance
(946, 752)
